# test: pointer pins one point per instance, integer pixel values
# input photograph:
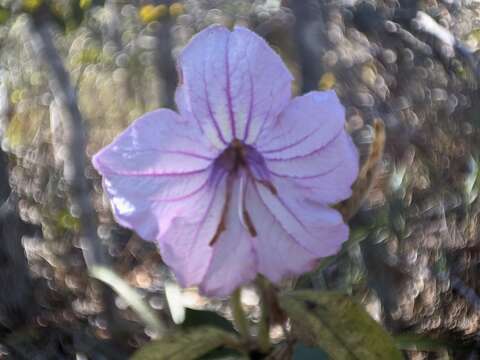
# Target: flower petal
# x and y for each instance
(185, 247)
(309, 148)
(158, 143)
(324, 177)
(154, 171)
(292, 235)
(147, 204)
(233, 261)
(317, 163)
(308, 123)
(326, 173)
(233, 84)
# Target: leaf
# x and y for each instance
(4, 15)
(338, 325)
(195, 318)
(185, 345)
(223, 354)
(418, 342)
(302, 352)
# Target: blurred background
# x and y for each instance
(90, 67)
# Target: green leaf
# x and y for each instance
(4, 15)
(195, 318)
(302, 352)
(186, 345)
(223, 354)
(338, 325)
(418, 342)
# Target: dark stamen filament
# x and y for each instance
(232, 159)
(248, 222)
(223, 220)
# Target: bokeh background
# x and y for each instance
(413, 258)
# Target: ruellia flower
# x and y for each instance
(240, 182)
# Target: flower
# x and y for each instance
(240, 182)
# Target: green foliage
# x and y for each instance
(302, 352)
(223, 354)
(24, 127)
(4, 15)
(66, 221)
(90, 55)
(338, 325)
(31, 6)
(185, 345)
(419, 342)
(195, 318)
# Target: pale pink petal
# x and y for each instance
(326, 180)
(185, 247)
(232, 84)
(307, 124)
(233, 262)
(291, 239)
(154, 171)
(326, 174)
(306, 221)
(316, 163)
(309, 147)
(147, 204)
(157, 143)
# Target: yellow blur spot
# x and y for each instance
(17, 95)
(22, 129)
(66, 221)
(327, 81)
(368, 75)
(149, 13)
(85, 4)
(31, 5)
(176, 9)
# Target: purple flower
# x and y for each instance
(240, 182)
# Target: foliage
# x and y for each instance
(188, 345)
(337, 325)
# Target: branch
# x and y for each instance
(74, 164)
(310, 30)
(165, 64)
(75, 139)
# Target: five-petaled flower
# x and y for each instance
(240, 182)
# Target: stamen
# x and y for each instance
(234, 160)
(269, 186)
(223, 219)
(248, 222)
(221, 228)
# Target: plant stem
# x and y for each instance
(239, 316)
(264, 325)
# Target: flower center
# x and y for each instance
(233, 157)
(239, 155)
